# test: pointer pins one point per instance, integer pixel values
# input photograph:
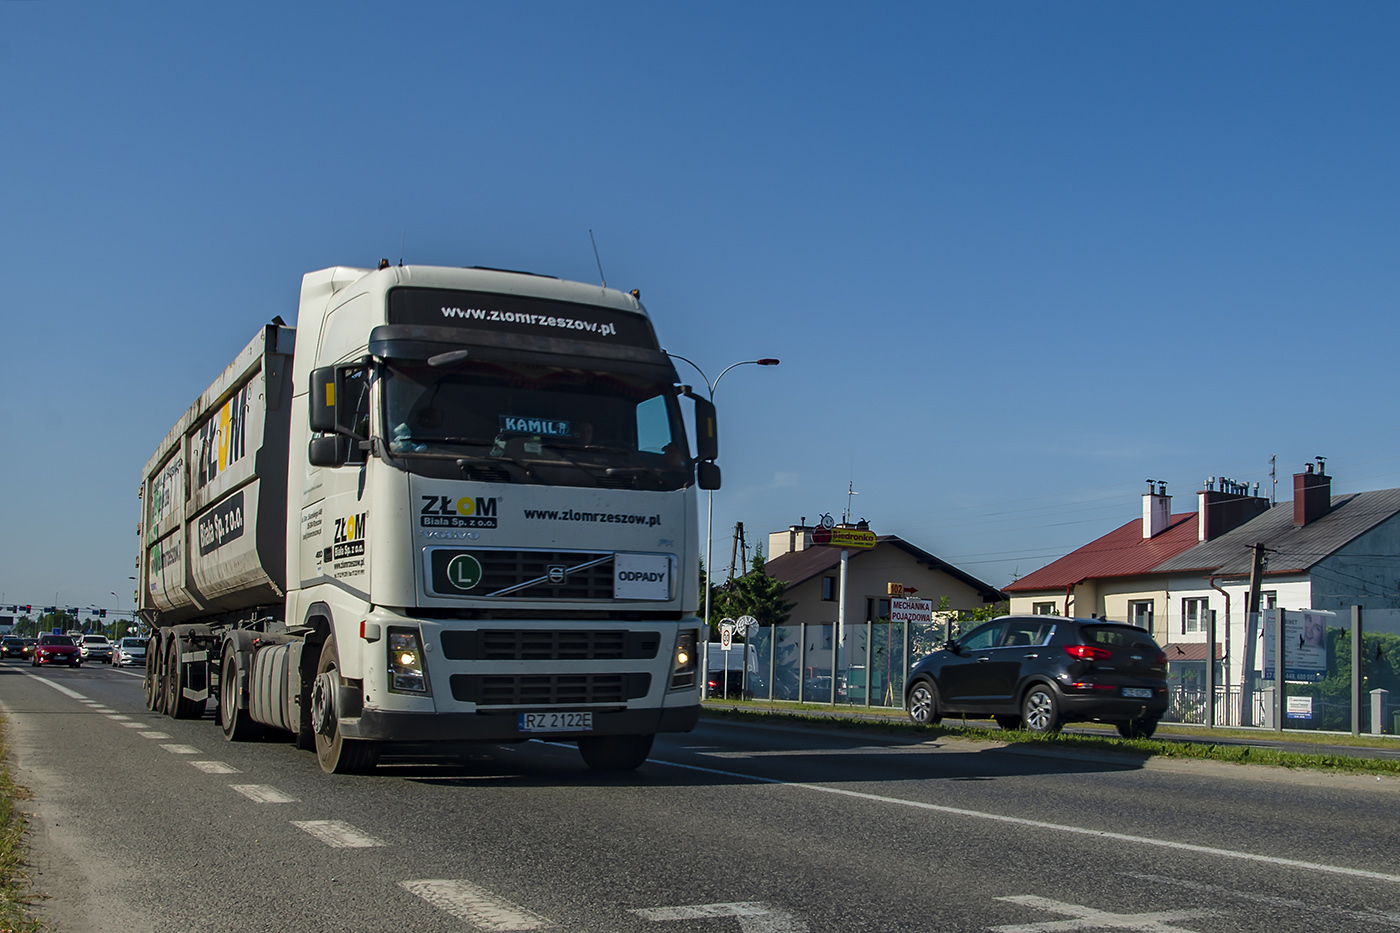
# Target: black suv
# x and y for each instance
(11, 646)
(1039, 672)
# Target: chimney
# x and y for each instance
(1156, 509)
(1312, 494)
(1224, 509)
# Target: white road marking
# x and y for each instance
(129, 673)
(475, 905)
(1366, 919)
(57, 686)
(753, 916)
(215, 767)
(181, 749)
(1057, 827)
(263, 793)
(1087, 918)
(154, 735)
(336, 834)
(102, 709)
(819, 752)
(119, 716)
(134, 725)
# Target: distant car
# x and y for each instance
(29, 647)
(56, 649)
(11, 646)
(95, 648)
(129, 651)
(1039, 672)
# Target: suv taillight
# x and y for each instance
(1088, 652)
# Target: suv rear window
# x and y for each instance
(56, 640)
(1118, 636)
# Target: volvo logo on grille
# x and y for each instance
(557, 573)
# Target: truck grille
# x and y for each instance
(549, 689)
(549, 645)
(529, 574)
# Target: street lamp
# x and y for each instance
(710, 509)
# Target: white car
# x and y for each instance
(129, 651)
(95, 648)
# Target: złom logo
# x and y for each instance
(466, 512)
(349, 539)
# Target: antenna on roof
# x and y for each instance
(596, 258)
(403, 242)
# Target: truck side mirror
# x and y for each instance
(706, 429)
(707, 474)
(324, 386)
(328, 450)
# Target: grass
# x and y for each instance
(1147, 748)
(15, 893)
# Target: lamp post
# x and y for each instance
(710, 508)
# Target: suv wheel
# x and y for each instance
(1040, 710)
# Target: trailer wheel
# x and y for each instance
(336, 754)
(177, 706)
(238, 726)
(615, 752)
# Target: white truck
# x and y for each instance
(450, 505)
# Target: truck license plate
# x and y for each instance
(556, 722)
(1140, 693)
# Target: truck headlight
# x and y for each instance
(684, 662)
(406, 662)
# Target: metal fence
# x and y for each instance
(797, 662)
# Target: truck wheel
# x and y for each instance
(615, 752)
(155, 683)
(238, 726)
(177, 706)
(336, 754)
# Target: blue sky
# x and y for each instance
(1015, 257)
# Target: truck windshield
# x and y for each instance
(526, 423)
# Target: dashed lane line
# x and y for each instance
(117, 716)
(134, 725)
(337, 835)
(215, 767)
(154, 735)
(475, 905)
(263, 793)
(177, 749)
(1057, 827)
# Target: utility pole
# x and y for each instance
(1251, 635)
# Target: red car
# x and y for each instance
(56, 649)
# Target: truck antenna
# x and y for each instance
(596, 258)
(402, 243)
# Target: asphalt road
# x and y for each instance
(145, 823)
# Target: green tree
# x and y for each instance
(754, 594)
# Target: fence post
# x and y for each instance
(1355, 670)
(1279, 701)
(1378, 705)
(1210, 669)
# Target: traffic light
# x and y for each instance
(102, 613)
(28, 609)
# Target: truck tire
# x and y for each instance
(237, 725)
(335, 753)
(615, 752)
(177, 705)
(154, 687)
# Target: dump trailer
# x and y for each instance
(449, 506)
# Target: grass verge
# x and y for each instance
(1145, 748)
(15, 893)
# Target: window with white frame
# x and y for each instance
(1043, 609)
(1193, 614)
(1140, 612)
